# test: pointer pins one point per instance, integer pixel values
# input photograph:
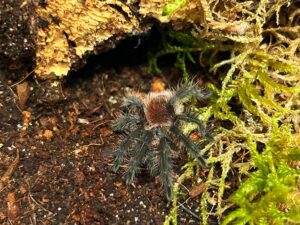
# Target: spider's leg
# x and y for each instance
(139, 152)
(152, 158)
(191, 118)
(122, 149)
(136, 102)
(189, 92)
(190, 145)
(133, 102)
(152, 163)
(165, 167)
(171, 143)
(125, 121)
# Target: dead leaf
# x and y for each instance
(75, 217)
(23, 92)
(195, 136)
(48, 134)
(157, 85)
(22, 189)
(12, 205)
(105, 131)
(197, 190)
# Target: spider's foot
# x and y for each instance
(129, 177)
(169, 193)
(115, 167)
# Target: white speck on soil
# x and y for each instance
(92, 168)
(142, 204)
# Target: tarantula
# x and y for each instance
(154, 122)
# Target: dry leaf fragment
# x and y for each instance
(106, 131)
(197, 190)
(48, 134)
(26, 119)
(2, 216)
(195, 136)
(12, 205)
(157, 85)
(23, 91)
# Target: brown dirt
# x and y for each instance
(66, 146)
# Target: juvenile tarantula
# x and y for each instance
(154, 122)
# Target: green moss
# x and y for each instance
(173, 6)
(264, 81)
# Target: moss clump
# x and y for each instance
(260, 76)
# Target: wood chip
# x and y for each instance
(26, 119)
(23, 91)
(12, 205)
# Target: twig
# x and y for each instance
(4, 179)
(22, 79)
(39, 205)
(190, 212)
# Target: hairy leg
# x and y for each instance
(125, 121)
(189, 92)
(122, 149)
(138, 154)
(193, 119)
(152, 158)
(152, 163)
(165, 165)
(171, 143)
(133, 102)
(190, 145)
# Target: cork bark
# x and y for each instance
(59, 35)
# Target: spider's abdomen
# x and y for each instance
(157, 113)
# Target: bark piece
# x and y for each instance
(63, 33)
(74, 28)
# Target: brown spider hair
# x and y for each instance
(156, 108)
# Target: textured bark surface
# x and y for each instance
(59, 35)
